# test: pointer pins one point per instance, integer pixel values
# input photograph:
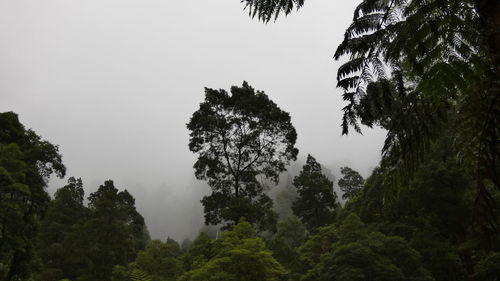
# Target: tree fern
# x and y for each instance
(437, 48)
(430, 59)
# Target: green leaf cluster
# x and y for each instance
(85, 242)
(354, 253)
(239, 255)
(26, 162)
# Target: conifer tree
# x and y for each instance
(317, 202)
(350, 183)
(114, 232)
(64, 218)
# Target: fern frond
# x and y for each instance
(265, 10)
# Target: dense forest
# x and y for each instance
(428, 72)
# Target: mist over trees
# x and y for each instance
(425, 71)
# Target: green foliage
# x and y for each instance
(114, 232)
(292, 232)
(130, 273)
(350, 183)
(238, 138)
(316, 204)
(416, 68)
(160, 260)
(139, 275)
(357, 254)
(440, 256)
(239, 255)
(369, 203)
(434, 215)
(120, 273)
(26, 162)
(65, 215)
(426, 71)
(321, 242)
(202, 249)
(419, 67)
(290, 235)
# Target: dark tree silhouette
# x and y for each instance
(241, 139)
(316, 204)
(26, 162)
(350, 183)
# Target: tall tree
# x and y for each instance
(350, 183)
(26, 162)
(65, 215)
(241, 139)
(114, 233)
(317, 202)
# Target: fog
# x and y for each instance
(114, 82)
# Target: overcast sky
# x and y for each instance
(113, 83)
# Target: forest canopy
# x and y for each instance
(426, 72)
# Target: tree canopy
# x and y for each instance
(317, 202)
(240, 255)
(425, 71)
(241, 139)
(358, 254)
(350, 183)
(65, 217)
(26, 162)
(115, 231)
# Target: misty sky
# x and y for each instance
(113, 83)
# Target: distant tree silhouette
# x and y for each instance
(350, 183)
(316, 203)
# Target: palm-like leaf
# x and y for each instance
(445, 54)
(440, 67)
(265, 10)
